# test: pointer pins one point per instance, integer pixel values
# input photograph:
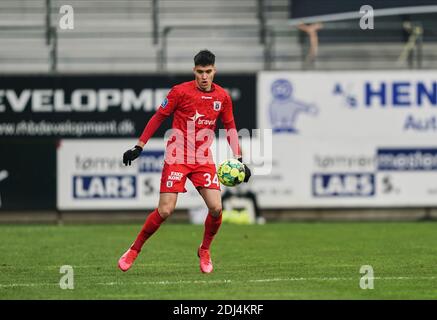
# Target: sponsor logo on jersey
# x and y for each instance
(206, 97)
(217, 105)
(206, 122)
(197, 117)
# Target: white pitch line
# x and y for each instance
(114, 266)
(95, 266)
(14, 285)
(260, 280)
(165, 282)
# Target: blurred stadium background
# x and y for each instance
(103, 78)
(352, 118)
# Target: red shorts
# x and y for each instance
(174, 176)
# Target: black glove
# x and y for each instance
(131, 154)
(247, 172)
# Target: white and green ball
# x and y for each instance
(231, 172)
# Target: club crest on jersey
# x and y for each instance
(217, 105)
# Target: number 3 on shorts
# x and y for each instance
(208, 179)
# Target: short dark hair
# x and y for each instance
(204, 58)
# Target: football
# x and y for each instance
(231, 172)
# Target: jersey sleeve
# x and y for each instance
(166, 108)
(152, 125)
(170, 103)
(227, 114)
(227, 118)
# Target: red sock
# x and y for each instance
(152, 224)
(212, 224)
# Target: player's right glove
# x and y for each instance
(247, 172)
(131, 154)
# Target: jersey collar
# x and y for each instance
(212, 87)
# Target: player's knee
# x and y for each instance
(215, 210)
(165, 211)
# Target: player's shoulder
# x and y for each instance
(183, 86)
(176, 91)
(221, 90)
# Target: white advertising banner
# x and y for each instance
(349, 139)
(91, 175)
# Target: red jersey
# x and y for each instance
(194, 110)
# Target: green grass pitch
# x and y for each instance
(272, 261)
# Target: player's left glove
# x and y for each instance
(247, 172)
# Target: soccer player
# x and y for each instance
(195, 106)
